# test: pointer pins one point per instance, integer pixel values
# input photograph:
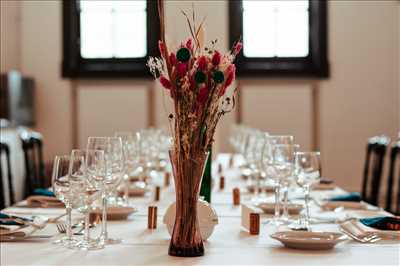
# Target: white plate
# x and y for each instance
(114, 213)
(309, 240)
(269, 208)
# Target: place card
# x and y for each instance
(157, 193)
(152, 217)
(247, 209)
(236, 196)
(221, 183)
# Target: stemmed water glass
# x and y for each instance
(128, 140)
(108, 180)
(82, 163)
(62, 190)
(307, 165)
(268, 166)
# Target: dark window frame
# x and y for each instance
(315, 65)
(74, 66)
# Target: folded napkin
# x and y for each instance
(44, 202)
(10, 220)
(43, 192)
(16, 228)
(353, 196)
(382, 223)
(355, 227)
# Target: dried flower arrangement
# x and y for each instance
(197, 79)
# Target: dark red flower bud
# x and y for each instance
(165, 82)
(202, 96)
(230, 73)
(189, 44)
(172, 59)
(161, 47)
(216, 59)
(181, 69)
(202, 63)
(237, 48)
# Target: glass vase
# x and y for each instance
(186, 238)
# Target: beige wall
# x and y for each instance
(9, 35)
(360, 99)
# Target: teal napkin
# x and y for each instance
(353, 196)
(382, 223)
(43, 192)
(6, 219)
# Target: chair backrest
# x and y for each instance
(4, 150)
(394, 174)
(373, 167)
(32, 146)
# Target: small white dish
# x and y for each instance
(269, 208)
(309, 240)
(114, 213)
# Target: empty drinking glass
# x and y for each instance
(62, 190)
(307, 165)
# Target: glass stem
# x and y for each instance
(104, 217)
(87, 223)
(277, 202)
(126, 192)
(257, 185)
(307, 201)
(69, 221)
(285, 202)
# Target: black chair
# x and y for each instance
(32, 146)
(394, 173)
(374, 162)
(4, 150)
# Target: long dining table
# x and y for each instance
(230, 243)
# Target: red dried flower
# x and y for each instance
(172, 59)
(202, 63)
(181, 69)
(189, 44)
(237, 48)
(161, 47)
(202, 96)
(230, 73)
(216, 59)
(165, 82)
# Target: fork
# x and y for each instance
(364, 238)
(62, 229)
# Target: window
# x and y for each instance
(109, 38)
(280, 38)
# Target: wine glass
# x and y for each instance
(268, 166)
(111, 177)
(307, 165)
(62, 190)
(283, 158)
(83, 162)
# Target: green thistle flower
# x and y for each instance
(199, 77)
(183, 54)
(218, 77)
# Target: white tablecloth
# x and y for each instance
(230, 244)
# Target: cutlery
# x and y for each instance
(364, 238)
(62, 228)
(55, 219)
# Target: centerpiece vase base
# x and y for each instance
(186, 238)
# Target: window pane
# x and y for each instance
(275, 28)
(113, 29)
